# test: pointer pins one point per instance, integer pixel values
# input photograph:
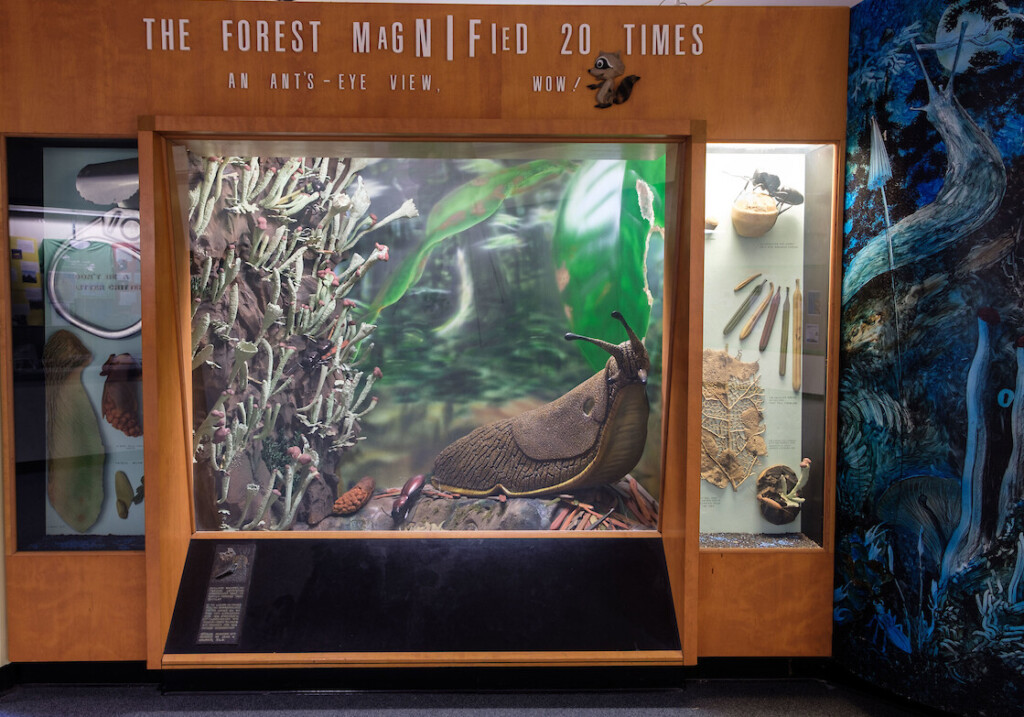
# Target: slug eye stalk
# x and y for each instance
(630, 356)
(614, 349)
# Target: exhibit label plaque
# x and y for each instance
(226, 595)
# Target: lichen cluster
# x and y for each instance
(275, 342)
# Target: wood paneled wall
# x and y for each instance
(94, 68)
(84, 68)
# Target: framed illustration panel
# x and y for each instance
(76, 322)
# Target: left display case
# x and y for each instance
(75, 277)
(73, 429)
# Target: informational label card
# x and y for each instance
(226, 594)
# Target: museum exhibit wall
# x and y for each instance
(160, 78)
(929, 599)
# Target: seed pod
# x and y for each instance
(773, 484)
(124, 493)
(769, 323)
(403, 503)
(120, 401)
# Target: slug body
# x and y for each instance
(592, 435)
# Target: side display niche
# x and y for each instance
(767, 239)
(379, 334)
(76, 345)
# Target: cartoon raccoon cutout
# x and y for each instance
(607, 67)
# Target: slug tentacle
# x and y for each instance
(614, 349)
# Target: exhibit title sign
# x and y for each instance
(765, 72)
(412, 38)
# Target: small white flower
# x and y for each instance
(408, 210)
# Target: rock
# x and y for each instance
(479, 514)
(435, 511)
(317, 502)
(376, 515)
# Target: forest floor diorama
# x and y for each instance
(292, 323)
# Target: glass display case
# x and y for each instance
(768, 235)
(417, 361)
(76, 347)
(379, 333)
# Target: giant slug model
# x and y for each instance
(592, 435)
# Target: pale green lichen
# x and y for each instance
(311, 317)
(792, 497)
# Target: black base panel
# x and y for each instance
(439, 595)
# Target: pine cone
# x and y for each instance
(120, 401)
(355, 498)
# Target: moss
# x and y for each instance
(275, 453)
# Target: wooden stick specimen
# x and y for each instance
(785, 334)
(744, 307)
(769, 323)
(798, 335)
(746, 281)
(749, 326)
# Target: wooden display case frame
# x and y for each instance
(777, 602)
(91, 582)
(166, 321)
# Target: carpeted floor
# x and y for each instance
(801, 697)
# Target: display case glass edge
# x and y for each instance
(6, 368)
(169, 513)
(664, 658)
(211, 141)
(58, 187)
(764, 244)
(681, 535)
(426, 535)
(832, 362)
(317, 129)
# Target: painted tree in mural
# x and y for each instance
(971, 192)
(931, 524)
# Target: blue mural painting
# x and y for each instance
(929, 594)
